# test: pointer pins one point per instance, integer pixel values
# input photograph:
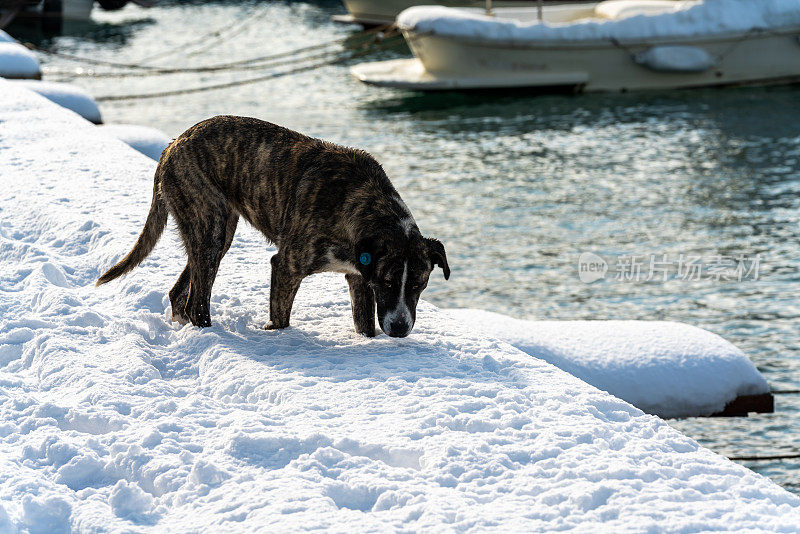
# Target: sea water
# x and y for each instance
(519, 186)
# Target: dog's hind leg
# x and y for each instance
(179, 294)
(282, 290)
(204, 232)
(362, 301)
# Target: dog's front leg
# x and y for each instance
(282, 290)
(362, 300)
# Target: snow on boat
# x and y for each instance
(663, 368)
(615, 45)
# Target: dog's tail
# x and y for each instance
(153, 228)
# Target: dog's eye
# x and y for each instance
(415, 287)
(387, 283)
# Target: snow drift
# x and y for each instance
(664, 368)
(148, 141)
(686, 19)
(114, 419)
(67, 96)
(16, 61)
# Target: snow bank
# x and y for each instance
(16, 61)
(114, 419)
(67, 96)
(664, 368)
(148, 141)
(689, 19)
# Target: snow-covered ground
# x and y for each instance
(67, 96)
(16, 61)
(685, 19)
(667, 369)
(148, 141)
(114, 419)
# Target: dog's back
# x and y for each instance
(274, 177)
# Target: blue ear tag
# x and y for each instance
(365, 258)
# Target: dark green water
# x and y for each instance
(517, 185)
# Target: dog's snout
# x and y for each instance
(400, 328)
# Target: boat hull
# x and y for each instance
(448, 63)
(379, 12)
(77, 10)
(55, 13)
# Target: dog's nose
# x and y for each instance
(399, 328)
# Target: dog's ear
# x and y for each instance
(365, 257)
(438, 255)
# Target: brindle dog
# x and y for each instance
(326, 207)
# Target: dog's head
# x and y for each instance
(397, 270)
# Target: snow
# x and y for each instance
(129, 501)
(66, 95)
(16, 61)
(148, 141)
(663, 368)
(6, 38)
(112, 418)
(620, 9)
(687, 19)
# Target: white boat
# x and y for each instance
(54, 12)
(616, 45)
(78, 10)
(75, 10)
(380, 12)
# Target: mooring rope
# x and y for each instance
(763, 458)
(718, 58)
(260, 62)
(87, 60)
(222, 35)
(236, 83)
(266, 63)
(152, 68)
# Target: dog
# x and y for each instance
(325, 207)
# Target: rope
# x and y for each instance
(237, 83)
(210, 68)
(150, 68)
(243, 64)
(774, 456)
(90, 61)
(763, 458)
(250, 17)
(719, 58)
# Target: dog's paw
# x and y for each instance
(180, 319)
(272, 326)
